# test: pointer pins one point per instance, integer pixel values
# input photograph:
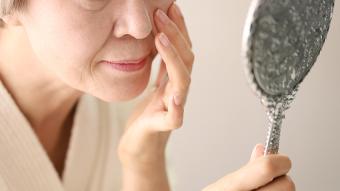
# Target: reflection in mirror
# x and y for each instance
(282, 40)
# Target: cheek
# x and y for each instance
(64, 38)
(160, 4)
(71, 30)
(67, 40)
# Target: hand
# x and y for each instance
(262, 173)
(153, 119)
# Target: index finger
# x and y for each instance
(179, 21)
(177, 71)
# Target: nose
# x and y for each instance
(133, 20)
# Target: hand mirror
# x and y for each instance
(282, 40)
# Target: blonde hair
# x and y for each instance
(8, 6)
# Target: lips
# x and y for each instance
(136, 61)
(127, 65)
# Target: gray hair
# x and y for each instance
(8, 6)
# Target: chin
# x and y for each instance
(121, 96)
(121, 91)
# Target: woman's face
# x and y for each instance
(71, 38)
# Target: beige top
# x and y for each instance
(91, 163)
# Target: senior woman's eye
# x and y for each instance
(93, 5)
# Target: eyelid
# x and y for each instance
(93, 5)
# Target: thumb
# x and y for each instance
(257, 152)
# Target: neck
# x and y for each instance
(45, 100)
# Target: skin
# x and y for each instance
(261, 173)
(62, 55)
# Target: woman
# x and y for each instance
(55, 136)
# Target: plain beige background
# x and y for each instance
(224, 119)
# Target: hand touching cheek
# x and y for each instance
(162, 111)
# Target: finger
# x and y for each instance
(167, 120)
(178, 74)
(176, 15)
(174, 116)
(283, 183)
(161, 77)
(258, 151)
(167, 26)
(262, 171)
(225, 183)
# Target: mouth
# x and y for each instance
(129, 65)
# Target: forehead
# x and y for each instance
(96, 5)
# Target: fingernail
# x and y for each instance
(259, 149)
(254, 153)
(178, 10)
(162, 16)
(164, 39)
